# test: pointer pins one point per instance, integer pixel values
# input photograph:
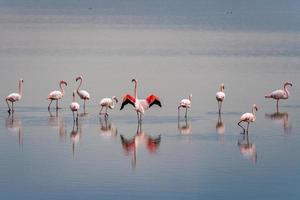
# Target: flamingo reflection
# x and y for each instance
(15, 126)
(57, 121)
(185, 128)
(247, 148)
(107, 128)
(130, 145)
(281, 117)
(75, 136)
(220, 128)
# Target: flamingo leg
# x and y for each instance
(84, 105)
(186, 112)
(248, 127)
(100, 113)
(56, 104)
(77, 118)
(73, 116)
(12, 107)
(179, 112)
(8, 106)
(106, 112)
(220, 106)
(49, 104)
(277, 105)
(241, 126)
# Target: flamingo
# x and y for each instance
(140, 105)
(83, 94)
(107, 103)
(56, 95)
(280, 94)
(248, 117)
(13, 97)
(74, 106)
(220, 96)
(185, 103)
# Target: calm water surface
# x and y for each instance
(44, 156)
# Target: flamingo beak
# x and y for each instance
(133, 80)
(291, 84)
(77, 78)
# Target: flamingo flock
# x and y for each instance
(141, 105)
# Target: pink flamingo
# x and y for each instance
(13, 97)
(56, 95)
(74, 106)
(107, 103)
(185, 103)
(280, 94)
(83, 94)
(220, 96)
(140, 105)
(248, 117)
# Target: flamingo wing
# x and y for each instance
(55, 95)
(83, 94)
(14, 97)
(128, 99)
(153, 99)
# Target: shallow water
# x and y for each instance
(43, 156)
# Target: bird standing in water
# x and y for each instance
(13, 97)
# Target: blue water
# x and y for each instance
(173, 48)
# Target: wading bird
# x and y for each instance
(248, 117)
(280, 94)
(140, 105)
(185, 103)
(220, 96)
(74, 106)
(13, 97)
(56, 95)
(83, 94)
(107, 103)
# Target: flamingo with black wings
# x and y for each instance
(140, 105)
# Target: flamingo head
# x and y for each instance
(79, 78)
(134, 80)
(255, 107)
(63, 82)
(222, 86)
(21, 80)
(115, 98)
(190, 97)
(288, 83)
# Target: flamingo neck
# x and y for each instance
(286, 90)
(190, 98)
(20, 88)
(253, 111)
(221, 89)
(73, 97)
(61, 88)
(79, 85)
(135, 89)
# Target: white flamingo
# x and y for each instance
(83, 94)
(248, 117)
(56, 95)
(107, 103)
(220, 96)
(140, 105)
(13, 97)
(74, 106)
(280, 94)
(185, 103)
